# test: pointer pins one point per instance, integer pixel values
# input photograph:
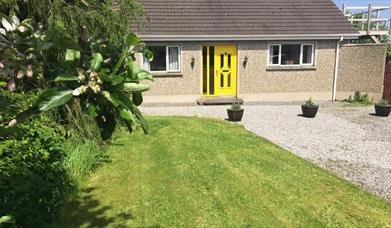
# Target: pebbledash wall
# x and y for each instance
(361, 69)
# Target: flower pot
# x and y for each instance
(383, 110)
(235, 115)
(309, 111)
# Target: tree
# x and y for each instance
(111, 19)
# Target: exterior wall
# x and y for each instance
(187, 82)
(361, 68)
(256, 78)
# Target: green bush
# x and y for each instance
(33, 181)
(359, 98)
(40, 166)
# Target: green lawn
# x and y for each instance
(200, 172)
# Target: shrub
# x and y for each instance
(359, 98)
(33, 181)
(236, 106)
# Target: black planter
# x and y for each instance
(309, 111)
(383, 110)
(235, 115)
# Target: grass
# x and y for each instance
(82, 158)
(200, 172)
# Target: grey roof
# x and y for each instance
(244, 17)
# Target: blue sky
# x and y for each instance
(386, 14)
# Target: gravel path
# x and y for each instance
(346, 140)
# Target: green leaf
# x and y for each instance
(8, 131)
(92, 110)
(6, 219)
(3, 84)
(126, 114)
(52, 98)
(137, 98)
(72, 55)
(45, 46)
(132, 69)
(96, 61)
(66, 78)
(134, 87)
(117, 79)
(143, 74)
(129, 104)
(132, 39)
(148, 54)
(112, 97)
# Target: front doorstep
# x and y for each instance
(220, 100)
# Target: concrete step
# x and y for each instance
(221, 100)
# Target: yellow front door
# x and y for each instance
(219, 70)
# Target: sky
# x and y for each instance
(386, 14)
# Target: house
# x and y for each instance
(256, 50)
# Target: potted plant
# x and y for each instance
(235, 113)
(309, 109)
(383, 108)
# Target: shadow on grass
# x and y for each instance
(87, 211)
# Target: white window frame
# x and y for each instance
(145, 61)
(301, 54)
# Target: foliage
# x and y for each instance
(359, 98)
(107, 18)
(236, 106)
(223, 174)
(108, 88)
(82, 158)
(33, 182)
(384, 103)
(310, 102)
(22, 44)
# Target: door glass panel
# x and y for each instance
(204, 70)
(211, 70)
(222, 80)
(229, 80)
(229, 61)
(222, 60)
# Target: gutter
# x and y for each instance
(336, 68)
(247, 37)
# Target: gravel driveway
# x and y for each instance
(346, 140)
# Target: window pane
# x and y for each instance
(173, 58)
(273, 53)
(159, 59)
(307, 54)
(290, 54)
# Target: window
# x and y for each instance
(291, 54)
(166, 59)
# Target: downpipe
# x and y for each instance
(334, 95)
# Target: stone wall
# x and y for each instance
(361, 68)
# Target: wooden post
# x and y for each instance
(377, 17)
(369, 21)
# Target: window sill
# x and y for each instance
(167, 74)
(289, 68)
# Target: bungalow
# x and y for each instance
(256, 50)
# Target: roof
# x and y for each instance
(243, 18)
